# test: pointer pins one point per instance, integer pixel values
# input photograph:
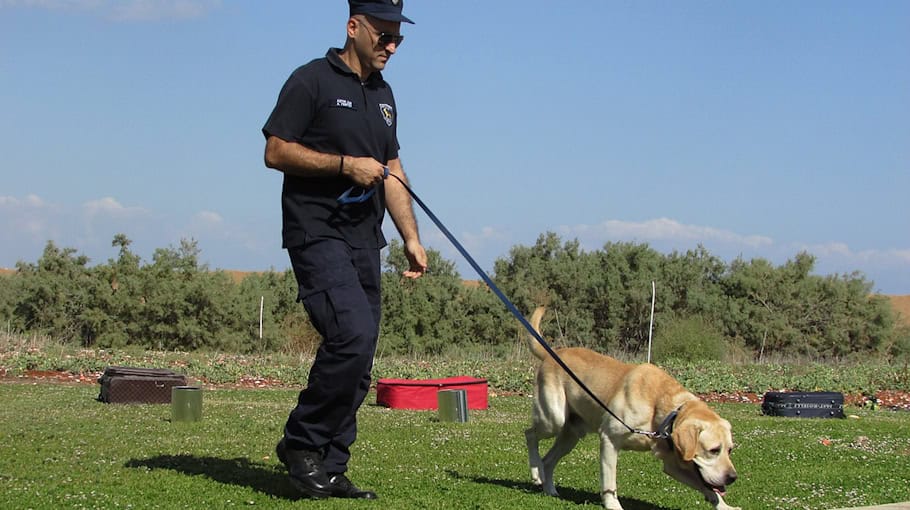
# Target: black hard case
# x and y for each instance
(814, 404)
(132, 385)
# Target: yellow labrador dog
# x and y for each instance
(697, 452)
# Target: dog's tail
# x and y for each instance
(536, 349)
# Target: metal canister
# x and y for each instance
(453, 405)
(186, 403)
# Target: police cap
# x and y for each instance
(388, 10)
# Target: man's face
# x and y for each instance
(375, 41)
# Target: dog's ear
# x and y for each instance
(685, 439)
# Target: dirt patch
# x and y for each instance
(236, 276)
(901, 305)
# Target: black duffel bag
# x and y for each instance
(805, 404)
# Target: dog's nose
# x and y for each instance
(731, 477)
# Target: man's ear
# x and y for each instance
(685, 439)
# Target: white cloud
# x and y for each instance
(217, 235)
(32, 201)
(154, 10)
(124, 10)
(206, 225)
(660, 229)
(104, 217)
(54, 5)
(29, 217)
(840, 251)
(487, 235)
(826, 249)
(203, 218)
(111, 208)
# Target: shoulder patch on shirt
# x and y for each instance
(388, 114)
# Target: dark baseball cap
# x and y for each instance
(388, 10)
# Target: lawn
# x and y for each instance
(63, 449)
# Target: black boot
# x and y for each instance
(342, 487)
(306, 471)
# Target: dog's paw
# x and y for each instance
(535, 477)
(611, 502)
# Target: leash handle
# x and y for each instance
(346, 198)
(514, 310)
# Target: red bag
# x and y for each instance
(421, 393)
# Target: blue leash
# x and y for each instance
(365, 195)
(345, 198)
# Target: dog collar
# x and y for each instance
(665, 429)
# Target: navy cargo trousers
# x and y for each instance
(340, 289)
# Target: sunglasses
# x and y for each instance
(385, 38)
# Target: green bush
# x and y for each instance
(688, 339)
(599, 299)
(899, 350)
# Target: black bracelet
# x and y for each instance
(341, 165)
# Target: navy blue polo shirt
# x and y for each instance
(325, 107)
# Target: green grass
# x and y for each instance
(59, 448)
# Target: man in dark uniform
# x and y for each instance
(334, 129)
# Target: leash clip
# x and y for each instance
(346, 198)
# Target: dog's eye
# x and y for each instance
(714, 451)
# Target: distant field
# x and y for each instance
(901, 304)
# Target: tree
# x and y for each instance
(285, 322)
(418, 314)
(186, 305)
(558, 275)
(55, 295)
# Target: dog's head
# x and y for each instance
(702, 443)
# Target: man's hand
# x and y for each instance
(364, 172)
(398, 203)
(417, 257)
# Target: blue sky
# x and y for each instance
(758, 129)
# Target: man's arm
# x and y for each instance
(398, 202)
(295, 159)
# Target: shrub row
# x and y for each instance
(704, 310)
